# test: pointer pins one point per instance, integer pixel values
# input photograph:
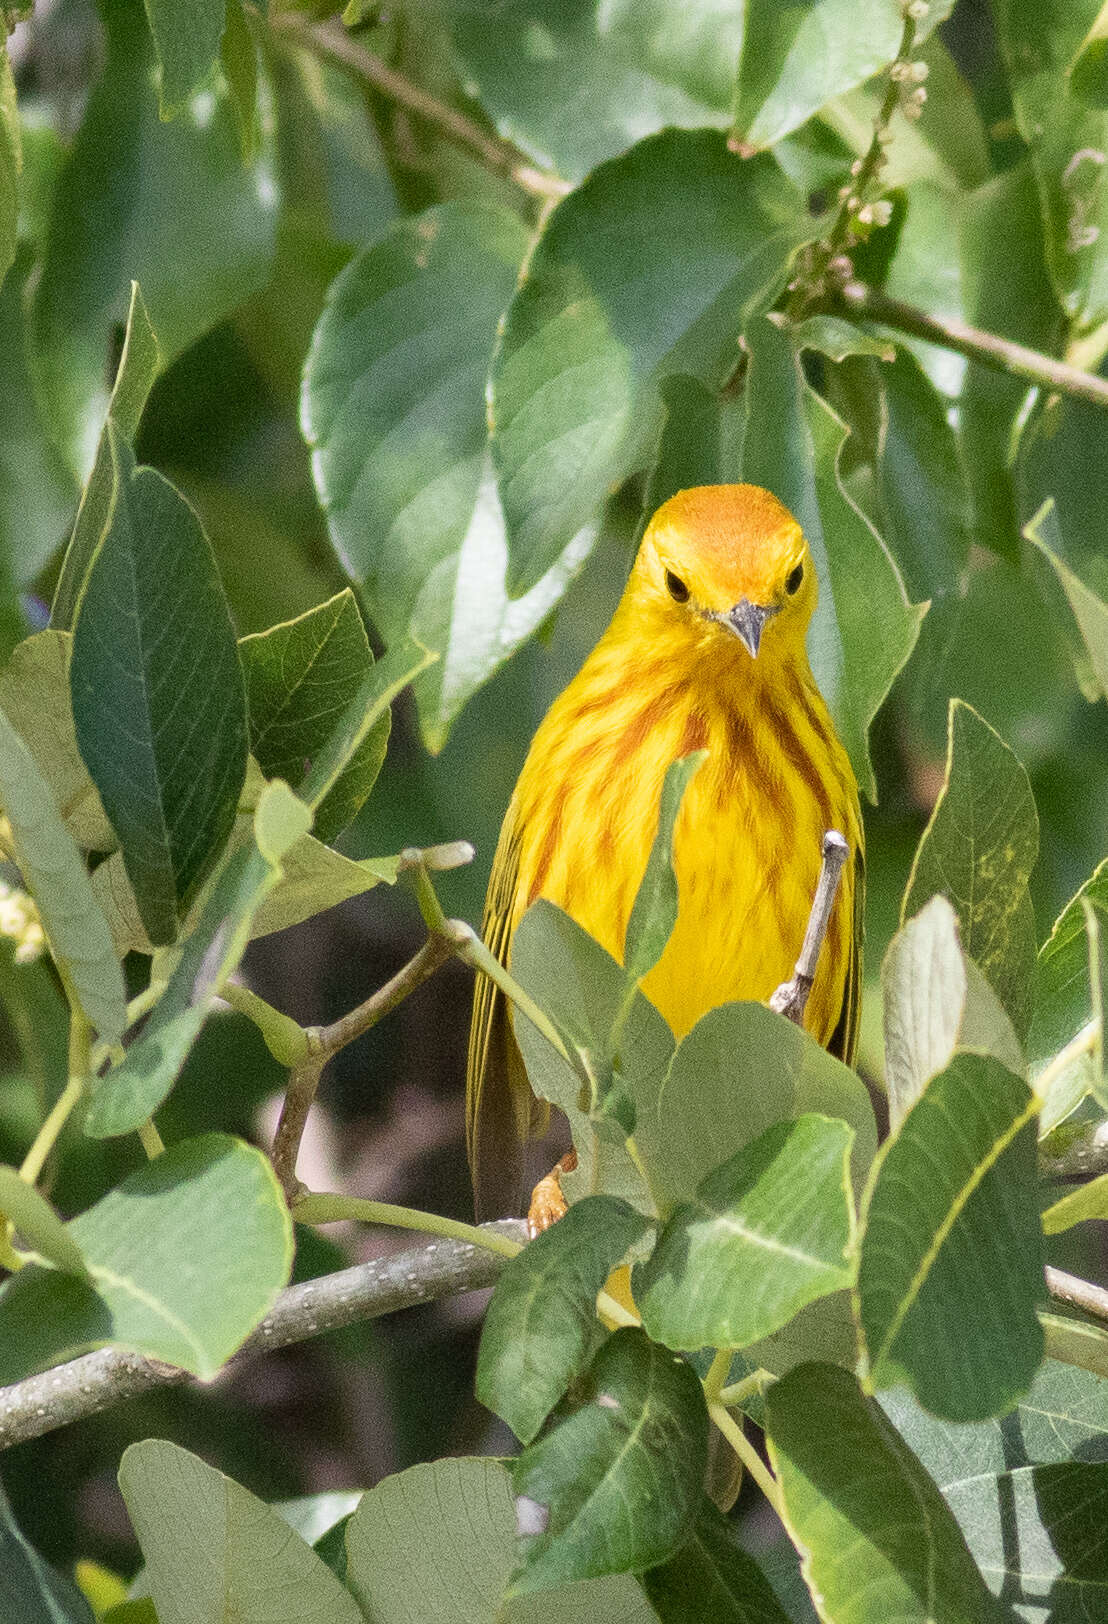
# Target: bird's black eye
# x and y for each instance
(676, 587)
(794, 579)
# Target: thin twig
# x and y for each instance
(1001, 354)
(331, 41)
(1077, 1293)
(326, 1041)
(99, 1380)
(1075, 1153)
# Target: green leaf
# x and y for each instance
(140, 1611)
(300, 677)
(360, 715)
(582, 989)
(654, 912)
(185, 1257)
(707, 1108)
(34, 695)
(452, 1522)
(315, 878)
(55, 874)
(700, 442)
(921, 481)
(572, 86)
(399, 452)
(951, 1256)
(1036, 1532)
(1086, 1202)
(214, 1553)
(171, 205)
(712, 1577)
(187, 34)
(38, 1224)
(935, 1000)
(769, 1231)
(574, 391)
(139, 364)
(1078, 1343)
(126, 1096)
(836, 338)
(864, 628)
(614, 1487)
(1089, 610)
(157, 693)
(696, 47)
(978, 850)
(797, 58)
(31, 1591)
(1088, 74)
(1067, 140)
(541, 1325)
(873, 1532)
(11, 162)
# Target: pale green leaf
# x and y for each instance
(30, 1590)
(360, 715)
(38, 1224)
(978, 850)
(453, 1522)
(55, 875)
(11, 162)
(217, 1555)
(694, 46)
(185, 1257)
(1087, 1201)
(1089, 609)
(187, 35)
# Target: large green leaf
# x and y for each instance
(694, 46)
(300, 677)
(768, 1231)
(452, 1522)
(30, 1590)
(936, 999)
(1028, 1490)
(55, 874)
(171, 205)
(704, 240)
(215, 1554)
(360, 716)
(541, 1325)
(874, 1534)
(797, 58)
(139, 362)
(712, 1577)
(1067, 139)
(614, 1487)
(951, 1256)
(157, 693)
(571, 85)
(185, 1257)
(394, 410)
(187, 35)
(11, 162)
(864, 628)
(978, 850)
(126, 1096)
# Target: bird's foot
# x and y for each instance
(548, 1204)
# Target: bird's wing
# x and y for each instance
(498, 1096)
(844, 1039)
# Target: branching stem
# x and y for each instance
(749, 1456)
(333, 1209)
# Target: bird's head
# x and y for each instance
(732, 561)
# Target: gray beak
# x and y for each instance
(747, 620)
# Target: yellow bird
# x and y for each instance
(706, 650)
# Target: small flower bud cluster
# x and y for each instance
(19, 920)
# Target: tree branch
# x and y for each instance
(1075, 1153)
(973, 342)
(1077, 1293)
(331, 41)
(99, 1380)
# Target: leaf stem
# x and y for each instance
(717, 1375)
(323, 1208)
(150, 1139)
(1000, 354)
(749, 1456)
(331, 41)
(735, 1396)
(46, 1138)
